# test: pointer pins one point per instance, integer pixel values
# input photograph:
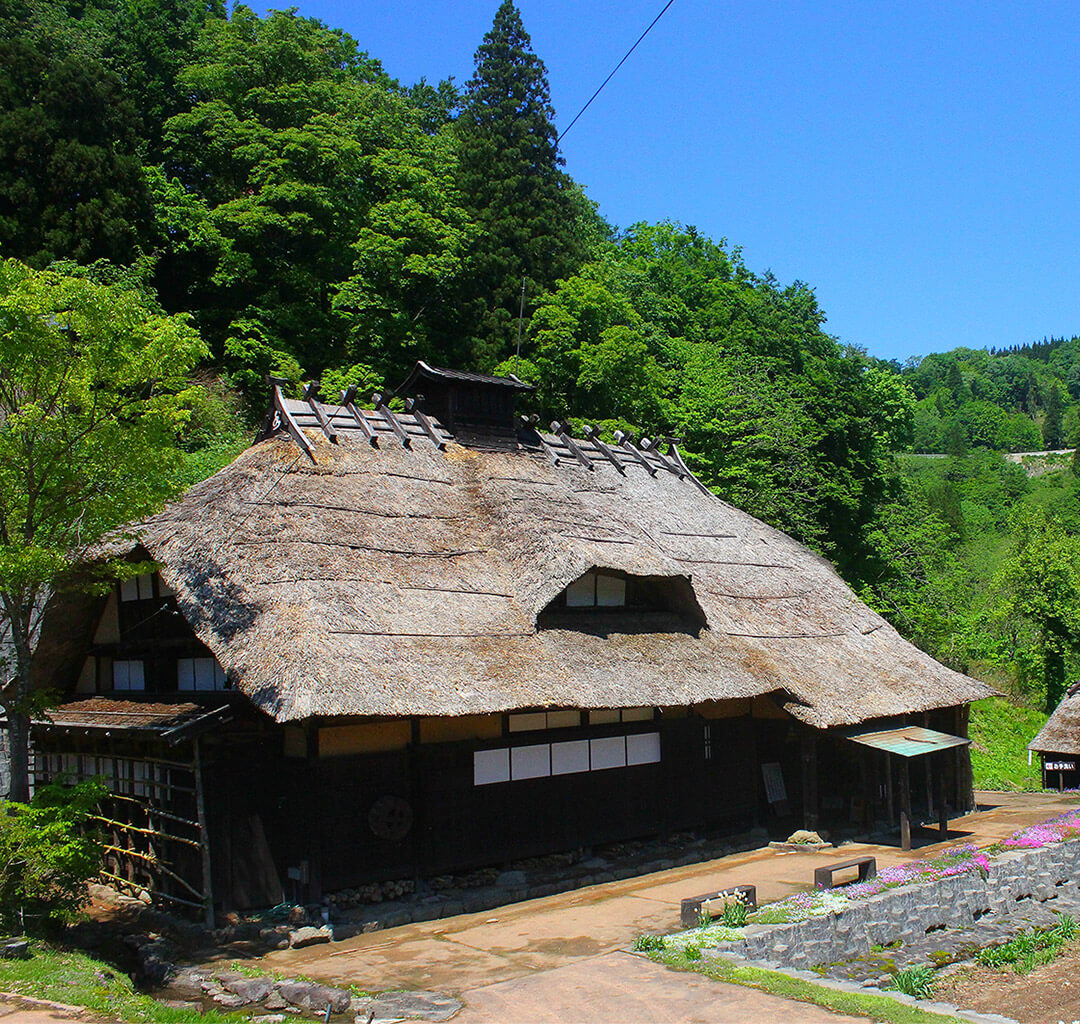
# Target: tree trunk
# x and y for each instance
(1054, 677)
(19, 752)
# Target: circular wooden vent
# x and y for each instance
(390, 817)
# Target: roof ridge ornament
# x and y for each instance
(653, 448)
(592, 432)
(395, 425)
(287, 419)
(623, 441)
(311, 396)
(348, 400)
(414, 405)
(562, 430)
(676, 457)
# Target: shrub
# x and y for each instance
(47, 854)
(648, 943)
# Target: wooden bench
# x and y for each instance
(823, 877)
(693, 907)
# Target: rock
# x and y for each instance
(276, 937)
(228, 999)
(274, 1001)
(802, 836)
(269, 1018)
(250, 990)
(510, 879)
(188, 982)
(310, 936)
(15, 949)
(314, 998)
(431, 1006)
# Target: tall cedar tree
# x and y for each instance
(509, 174)
(70, 172)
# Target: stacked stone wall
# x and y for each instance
(909, 913)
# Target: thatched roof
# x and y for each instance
(371, 578)
(1061, 734)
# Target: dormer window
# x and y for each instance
(616, 601)
(597, 589)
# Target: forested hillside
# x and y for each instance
(316, 219)
(1024, 398)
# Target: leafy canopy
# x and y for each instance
(302, 207)
(91, 399)
(47, 855)
(93, 388)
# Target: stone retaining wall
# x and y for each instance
(910, 912)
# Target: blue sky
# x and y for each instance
(917, 164)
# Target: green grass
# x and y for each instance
(859, 1004)
(1027, 951)
(1000, 732)
(68, 977)
(915, 981)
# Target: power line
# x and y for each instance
(613, 70)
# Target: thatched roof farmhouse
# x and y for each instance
(405, 641)
(1058, 743)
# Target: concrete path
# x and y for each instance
(619, 987)
(541, 949)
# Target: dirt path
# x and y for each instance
(1048, 995)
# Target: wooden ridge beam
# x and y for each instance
(593, 434)
(626, 444)
(348, 400)
(384, 411)
(413, 405)
(563, 432)
(311, 396)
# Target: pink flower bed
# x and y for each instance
(1056, 830)
(957, 860)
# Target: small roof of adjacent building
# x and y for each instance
(367, 562)
(908, 741)
(172, 722)
(1061, 734)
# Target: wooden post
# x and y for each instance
(890, 803)
(966, 781)
(943, 814)
(809, 781)
(204, 845)
(905, 805)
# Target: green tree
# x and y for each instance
(914, 577)
(527, 208)
(1053, 436)
(47, 855)
(302, 209)
(70, 169)
(1040, 582)
(92, 390)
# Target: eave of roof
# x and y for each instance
(172, 722)
(422, 371)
